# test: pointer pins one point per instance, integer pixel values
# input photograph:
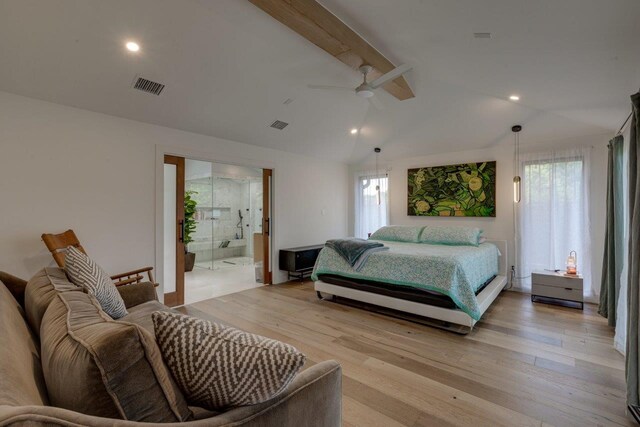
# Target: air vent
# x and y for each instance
(482, 35)
(148, 86)
(279, 125)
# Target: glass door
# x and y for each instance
(199, 194)
(228, 229)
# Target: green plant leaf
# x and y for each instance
(190, 207)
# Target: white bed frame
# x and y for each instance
(445, 316)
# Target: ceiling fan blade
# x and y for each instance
(391, 75)
(325, 87)
(375, 102)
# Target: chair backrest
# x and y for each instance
(58, 243)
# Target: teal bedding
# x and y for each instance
(456, 271)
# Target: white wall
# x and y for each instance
(502, 226)
(62, 167)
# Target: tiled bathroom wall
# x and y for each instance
(220, 200)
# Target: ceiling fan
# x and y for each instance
(366, 89)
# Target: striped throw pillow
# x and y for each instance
(84, 272)
(218, 366)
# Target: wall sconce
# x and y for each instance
(572, 263)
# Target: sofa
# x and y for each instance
(28, 324)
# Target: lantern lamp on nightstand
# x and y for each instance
(572, 263)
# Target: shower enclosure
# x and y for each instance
(228, 213)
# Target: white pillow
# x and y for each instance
(84, 272)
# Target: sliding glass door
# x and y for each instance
(219, 231)
(228, 204)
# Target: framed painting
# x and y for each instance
(467, 189)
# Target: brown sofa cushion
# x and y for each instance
(15, 285)
(98, 366)
(137, 293)
(40, 290)
(141, 314)
(20, 369)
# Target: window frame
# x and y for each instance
(359, 177)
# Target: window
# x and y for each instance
(554, 214)
(371, 213)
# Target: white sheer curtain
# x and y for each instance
(369, 214)
(553, 215)
(620, 338)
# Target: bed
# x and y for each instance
(449, 286)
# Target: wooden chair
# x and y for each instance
(58, 243)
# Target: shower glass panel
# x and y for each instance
(228, 214)
(198, 185)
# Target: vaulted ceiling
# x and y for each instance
(229, 67)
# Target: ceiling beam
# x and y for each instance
(322, 28)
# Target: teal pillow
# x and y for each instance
(398, 233)
(449, 235)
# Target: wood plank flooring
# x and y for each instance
(524, 364)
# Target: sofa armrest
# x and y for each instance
(313, 399)
(137, 293)
(15, 285)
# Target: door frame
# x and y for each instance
(176, 298)
(267, 189)
(207, 156)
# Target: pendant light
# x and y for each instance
(517, 181)
(378, 197)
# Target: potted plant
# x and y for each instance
(189, 227)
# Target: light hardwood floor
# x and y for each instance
(523, 364)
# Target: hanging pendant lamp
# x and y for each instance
(517, 181)
(378, 196)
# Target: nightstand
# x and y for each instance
(299, 262)
(556, 287)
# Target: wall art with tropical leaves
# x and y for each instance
(467, 189)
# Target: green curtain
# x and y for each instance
(633, 289)
(614, 234)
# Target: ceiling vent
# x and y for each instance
(279, 125)
(148, 86)
(482, 35)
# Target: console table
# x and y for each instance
(299, 262)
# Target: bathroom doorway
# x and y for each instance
(225, 230)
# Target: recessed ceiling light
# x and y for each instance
(132, 46)
(514, 98)
(354, 131)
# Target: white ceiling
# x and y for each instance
(229, 67)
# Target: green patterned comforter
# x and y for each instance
(456, 271)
